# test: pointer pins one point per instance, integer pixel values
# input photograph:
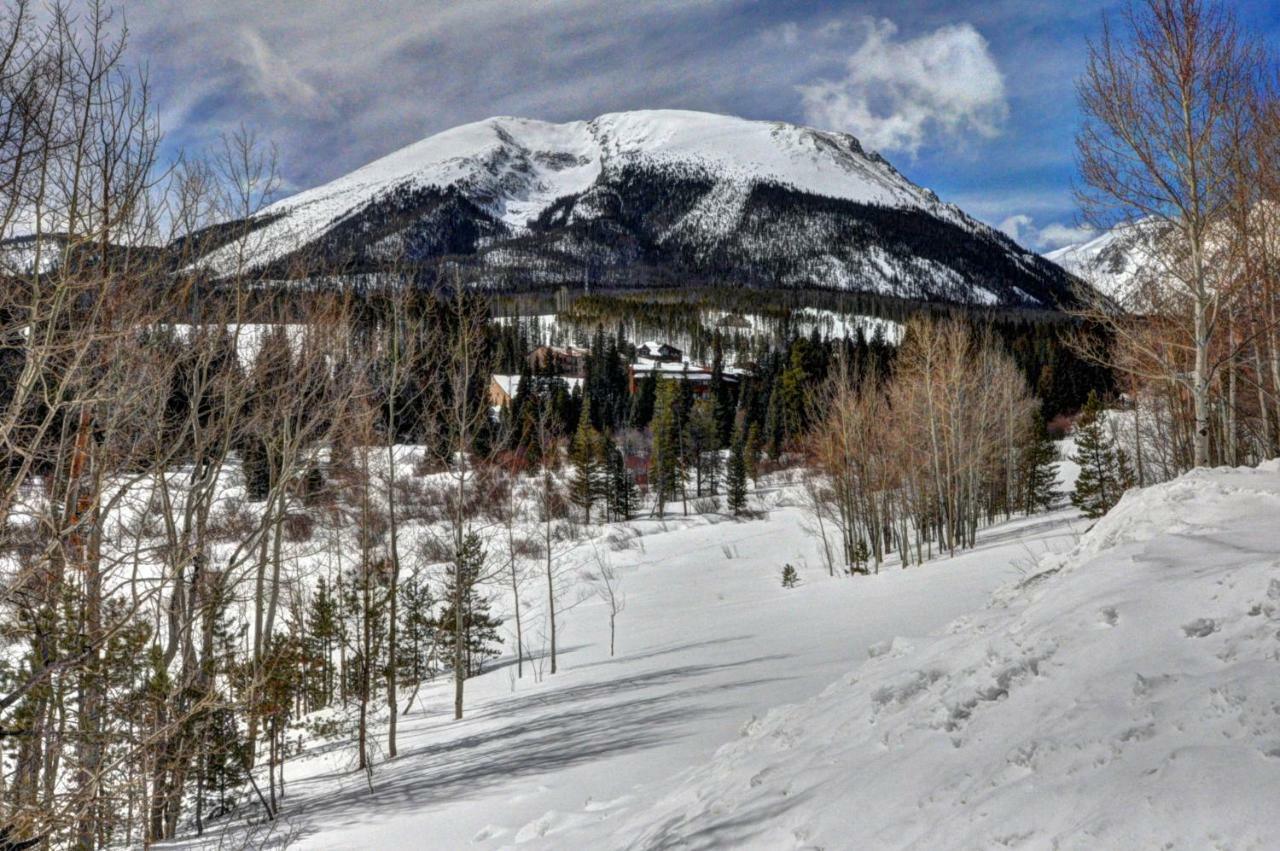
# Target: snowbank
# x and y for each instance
(1124, 695)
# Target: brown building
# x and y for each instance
(566, 360)
(699, 377)
(661, 352)
(502, 388)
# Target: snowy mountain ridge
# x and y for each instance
(1112, 262)
(632, 197)
(520, 166)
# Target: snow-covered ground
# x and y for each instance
(1118, 691)
(1124, 695)
(708, 641)
(740, 330)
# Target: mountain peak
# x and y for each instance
(693, 196)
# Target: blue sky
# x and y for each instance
(972, 99)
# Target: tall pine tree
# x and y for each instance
(736, 483)
(1038, 469)
(480, 636)
(1101, 481)
(667, 462)
(623, 498)
(585, 455)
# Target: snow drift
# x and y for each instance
(1124, 695)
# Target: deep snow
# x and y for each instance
(708, 640)
(1118, 691)
(1123, 695)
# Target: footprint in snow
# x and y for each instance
(489, 831)
(1200, 628)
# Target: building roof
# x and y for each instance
(511, 383)
(687, 371)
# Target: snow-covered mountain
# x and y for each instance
(1111, 262)
(648, 198)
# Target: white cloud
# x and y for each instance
(1016, 227)
(1022, 229)
(1057, 235)
(276, 78)
(899, 94)
(337, 89)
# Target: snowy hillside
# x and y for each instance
(1110, 262)
(1118, 691)
(707, 640)
(1121, 696)
(649, 197)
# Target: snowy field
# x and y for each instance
(709, 642)
(1119, 690)
(1124, 695)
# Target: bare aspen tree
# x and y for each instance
(926, 458)
(1160, 102)
(465, 414)
(552, 508)
(608, 589)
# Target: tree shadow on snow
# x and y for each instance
(664, 651)
(535, 734)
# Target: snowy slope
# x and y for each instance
(668, 188)
(707, 641)
(519, 166)
(1111, 262)
(1123, 695)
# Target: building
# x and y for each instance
(699, 377)
(660, 352)
(502, 388)
(734, 320)
(565, 360)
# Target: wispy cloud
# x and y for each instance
(277, 79)
(1023, 230)
(897, 94)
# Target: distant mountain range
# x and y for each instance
(648, 198)
(654, 198)
(1111, 262)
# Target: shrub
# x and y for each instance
(790, 578)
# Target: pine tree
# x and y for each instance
(773, 425)
(644, 401)
(666, 465)
(736, 484)
(751, 452)
(1125, 468)
(1038, 469)
(324, 630)
(417, 630)
(521, 411)
(720, 394)
(584, 453)
(860, 556)
(481, 639)
(623, 498)
(1100, 483)
(791, 397)
(702, 437)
